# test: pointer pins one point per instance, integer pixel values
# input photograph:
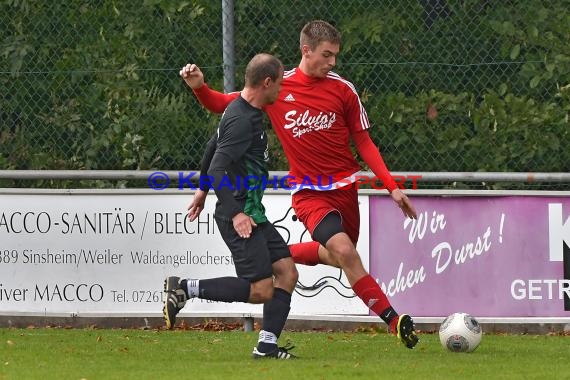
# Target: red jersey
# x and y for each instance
(314, 119)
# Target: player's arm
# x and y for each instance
(205, 181)
(217, 171)
(371, 155)
(358, 122)
(199, 200)
(212, 100)
(243, 223)
(232, 145)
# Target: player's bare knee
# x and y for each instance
(285, 270)
(291, 276)
(344, 254)
(352, 262)
(330, 259)
(287, 277)
(261, 291)
(294, 274)
(261, 295)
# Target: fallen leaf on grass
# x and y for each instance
(211, 325)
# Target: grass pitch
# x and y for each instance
(56, 353)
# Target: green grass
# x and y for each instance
(182, 354)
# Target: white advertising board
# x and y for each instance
(108, 252)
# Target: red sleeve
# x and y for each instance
(213, 100)
(371, 155)
(355, 114)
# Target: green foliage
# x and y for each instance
(89, 66)
(497, 133)
(509, 113)
(469, 86)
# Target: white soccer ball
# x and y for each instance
(460, 332)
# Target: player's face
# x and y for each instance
(322, 59)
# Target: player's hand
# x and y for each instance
(192, 75)
(243, 224)
(197, 205)
(404, 203)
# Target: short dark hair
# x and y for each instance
(317, 31)
(262, 66)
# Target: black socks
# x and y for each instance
(225, 289)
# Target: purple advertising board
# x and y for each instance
(490, 256)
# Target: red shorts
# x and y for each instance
(311, 206)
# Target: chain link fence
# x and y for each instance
(464, 85)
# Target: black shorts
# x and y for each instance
(254, 256)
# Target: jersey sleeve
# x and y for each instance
(355, 114)
(371, 155)
(235, 138)
(213, 100)
(205, 183)
(233, 142)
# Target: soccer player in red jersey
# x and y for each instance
(315, 116)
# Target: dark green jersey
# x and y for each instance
(236, 162)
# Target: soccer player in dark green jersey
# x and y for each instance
(235, 164)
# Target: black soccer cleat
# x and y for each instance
(406, 331)
(174, 301)
(277, 353)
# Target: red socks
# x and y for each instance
(366, 288)
(305, 253)
(373, 296)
